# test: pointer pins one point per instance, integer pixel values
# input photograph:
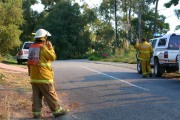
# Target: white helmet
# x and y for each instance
(41, 33)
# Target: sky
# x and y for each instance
(171, 18)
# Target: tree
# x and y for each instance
(104, 36)
(177, 13)
(139, 9)
(156, 13)
(31, 19)
(11, 19)
(108, 12)
(170, 3)
(177, 27)
(67, 25)
(148, 22)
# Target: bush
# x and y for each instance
(121, 55)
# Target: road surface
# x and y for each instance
(110, 92)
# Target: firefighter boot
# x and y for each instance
(63, 112)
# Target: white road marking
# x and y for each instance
(116, 79)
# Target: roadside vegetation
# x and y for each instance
(15, 95)
(123, 55)
(79, 30)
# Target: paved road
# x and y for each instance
(110, 92)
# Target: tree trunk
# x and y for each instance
(139, 26)
(115, 7)
(129, 32)
(156, 8)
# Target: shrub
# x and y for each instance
(121, 55)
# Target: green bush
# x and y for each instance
(121, 55)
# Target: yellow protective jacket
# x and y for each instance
(43, 73)
(145, 51)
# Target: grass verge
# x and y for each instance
(15, 95)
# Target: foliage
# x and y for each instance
(103, 40)
(79, 30)
(177, 27)
(31, 19)
(170, 3)
(148, 22)
(67, 27)
(106, 10)
(11, 19)
(126, 56)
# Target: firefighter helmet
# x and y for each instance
(41, 33)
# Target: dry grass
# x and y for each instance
(15, 95)
(174, 75)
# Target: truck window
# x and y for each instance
(153, 43)
(174, 42)
(162, 42)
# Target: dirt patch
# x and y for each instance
(174, 75)
(15, 94)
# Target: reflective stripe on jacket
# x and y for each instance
(145, 51)
(42, 72)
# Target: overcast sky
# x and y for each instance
(171, 18)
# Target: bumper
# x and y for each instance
(170, 65)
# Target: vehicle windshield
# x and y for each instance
(174, 42)
(27, 45)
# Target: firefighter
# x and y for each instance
(145, 53)
(41, 54)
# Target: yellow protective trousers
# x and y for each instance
(48, 92)
(146, 67)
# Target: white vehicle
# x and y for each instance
(22, 55)
(165, 56)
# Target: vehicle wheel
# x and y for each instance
(139, 69)
(157, 69)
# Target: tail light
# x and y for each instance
(166, 54)
(20, 52)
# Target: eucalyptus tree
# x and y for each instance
(177, 27)
(171, 2)
(148, 22)
(108, 16)
(127, 8)
(10, 22)
(156, 12)
(31, 19)
(139, 8)
(49, 3)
